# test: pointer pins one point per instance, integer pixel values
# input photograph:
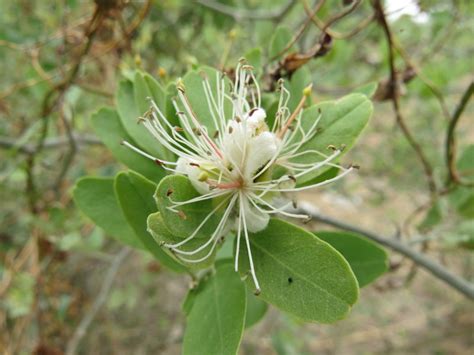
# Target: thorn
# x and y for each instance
(195, 164)
(332, 147)
(182, 215)
(178, 129)
(295, 204)
(169, 192)
(354, 166)
(216, 134)
(292, 178)
(238, 119)
(122, 142)
(257, 292)
(343, 147)
(158, 162)
(231, 130)
(161, 243)
(307, 220)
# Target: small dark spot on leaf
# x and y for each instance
(290, 280)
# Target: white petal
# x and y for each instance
(260, 150)
(193, 173)
(256, 220)
(256, 119)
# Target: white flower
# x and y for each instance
(237, 162)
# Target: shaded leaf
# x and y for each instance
(135, 196)
(256, 309)
(280, 39)
(216, 320)
(178, 188)
(132, 103)
(107, 126)
(367, 259)
(161, 234)
(95, 197)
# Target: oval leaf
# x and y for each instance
(107, 126)
(300, 274)
(178, 188)
(95, 197)
(256, 309)
(194, 91)
(132, 103)
(216, 320)
(367, 259)
(135, 196)
(281, 38)
(161, 234)
(341, 123)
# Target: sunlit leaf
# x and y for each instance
(300, 273)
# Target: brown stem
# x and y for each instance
(453, 175)
(394, 95)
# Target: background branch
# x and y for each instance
(437, 270)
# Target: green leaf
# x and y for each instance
(341, 123)
(194, 91)
(462, 197)
(432, 217)
(107, 126)
(132, 103)
(299, 273)
(178, 188)
(367, 259)
(367, 89)
(256, 309)
(95, 197)
(135, 196)
(254, 58)
(161, 234)
(216, 320)
(299, 80)
(280, 39)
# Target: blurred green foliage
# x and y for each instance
(44, 240)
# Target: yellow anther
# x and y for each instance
(307, 90)
(162, 72)
(203, 176)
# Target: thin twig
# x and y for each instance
(50, 143)
(394, 95)
(437, 270)
(241, 14)
(299, 33)
(107, 283)
(326, 26)
(453, 175)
